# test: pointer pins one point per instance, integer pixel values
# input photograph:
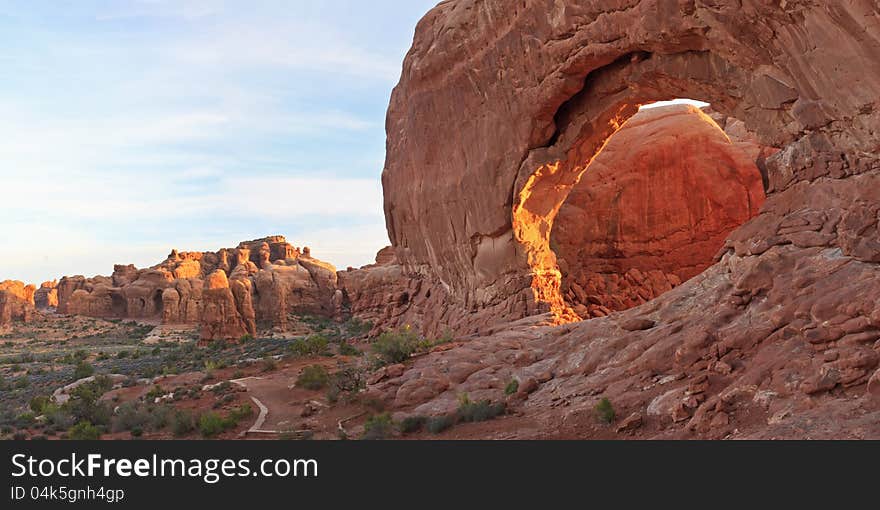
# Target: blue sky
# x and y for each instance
(131, 127)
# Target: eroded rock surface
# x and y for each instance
(263, 280)
(500, 110)
(653, 209)
(502, 107)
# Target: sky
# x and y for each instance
(131, 127)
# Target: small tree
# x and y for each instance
(605, 411)
(83, 370)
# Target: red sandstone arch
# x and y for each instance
(501, 107)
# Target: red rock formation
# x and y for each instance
(268, 279)
(47, 295)
(500, 109)
(379, 293)
(16, 302)
(652, 210)
(225, 314)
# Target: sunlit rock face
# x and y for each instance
(225, 292)
(47, 295)
(652, 210)
(16, 302)
(501, 107)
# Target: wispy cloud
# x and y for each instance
(134, 126)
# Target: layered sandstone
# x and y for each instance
(653, 209)
(16, 302)
(264, 280)
(501, 108)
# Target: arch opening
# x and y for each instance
(654, 207)
(586, 122)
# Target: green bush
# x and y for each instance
(358, 328)
(241, 412)
(82, 371)
(377, 427)
(512, 387)
(154, 393)
(346, 383)
(211, 425)
(412, 424)
(395, 346)
(314, 345)
(133, 415)
(479, 411)
(84, 404)
(84, 431)
(25, 420)
(605, 411)
(439, 424)
(182, 423)
(39, 403)
(346, 349)
(313, 377)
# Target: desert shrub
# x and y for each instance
(358, 328)
(154, 393)
(221, 388)
(84, 431)
(313, 345)
(605, 411)
(84, 404)
(238, 374)
(38, 403)
(123, 354)
(82, 371)
(395, 346)
(412, 424)
(269, 364)
(25, 420)
(346, 349)
(132, 416)
(182, 423)
(512, 387)
(483, 410)
(313, 377)
(211, 425)
(246, 338)
(345, 383)
(241, 412)
(137, 432)
(19, 436)
(378, 426)
(58, 417)
(439, 424)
